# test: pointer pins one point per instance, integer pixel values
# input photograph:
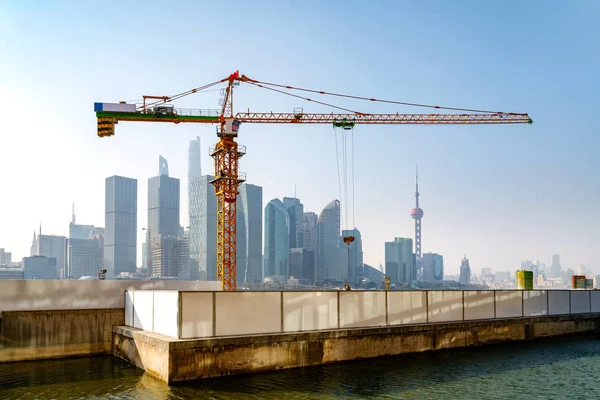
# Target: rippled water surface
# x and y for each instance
(552, 369)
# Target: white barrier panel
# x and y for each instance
(309, 311)
(558, 302)
(535, 302)
(362, 309)
(580, 302)
(407, 307)
(509, 304)
(196, 315)
(166, 312)
(479, 304)
(34, 294)
(246, 313)
(595, 300)
(445, 305)
(129, 308)
(143, 303)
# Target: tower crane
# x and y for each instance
(227, 152)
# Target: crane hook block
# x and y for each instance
(348, 239)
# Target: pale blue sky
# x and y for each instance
(500, 194)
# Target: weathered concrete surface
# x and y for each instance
(175, 360)
(35, 335)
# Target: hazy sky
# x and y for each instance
(500, 194)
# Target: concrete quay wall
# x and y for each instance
(35, 335)
(177, 360)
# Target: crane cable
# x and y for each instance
(259, 83)
(347, 162)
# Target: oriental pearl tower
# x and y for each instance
(417, 215)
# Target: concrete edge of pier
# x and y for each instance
(173, 360)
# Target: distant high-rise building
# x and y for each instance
(417, 215)
(163, 203)
(296, 213)
(205, 231)
(555, 268)
(5, 257)
(465, 272)
(277, 240)
(39, 267)
(120, 239)
(302, 265)
(194, 205)
(34, 244)
(332, 260)
(433, 267)
(52, 246)
(163, 222)
(400, 261)
(355, 256)
(310, 231)
(84, 257)
(77, 231)
(249, 234)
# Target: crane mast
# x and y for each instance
(227, 152)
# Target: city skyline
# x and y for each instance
(501, 194)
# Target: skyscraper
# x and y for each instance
(417, 215)
(249, 234)
(163, 221)
(555, 268)
(310, 231)
(465, 272)
(296, 213)
(84, 257)
(332, 260)
(433, 267)
(355, 257)
(399, 261)
(194, 200)
(277, 240)
(206, 230)
(120, 239)
(52, 246)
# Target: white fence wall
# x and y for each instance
(595, 300)
(196, 314)
(479, 304)
(580, 301)
(509, 304)
(535, 302)
(444, 305)
(558, 302)
(247, 313)
(361, 309)
(189, 315)
(309, 311)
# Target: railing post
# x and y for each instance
(570, 303)
(281, 310)
(463, 305)
(338, 309)
(179, 313)
(214, 313)
(387, 308)
(522, 303)
(547, 302)
(494, 304)
(427, 306)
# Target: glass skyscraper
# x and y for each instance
(296, 212)
(355, 261)
(120, 236)
(277, 240)
(249, 234)
(332, 259)
(206, 229)
(400, 261)
(194, 206)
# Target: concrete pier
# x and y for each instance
(177, 360)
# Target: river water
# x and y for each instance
(549, 369)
